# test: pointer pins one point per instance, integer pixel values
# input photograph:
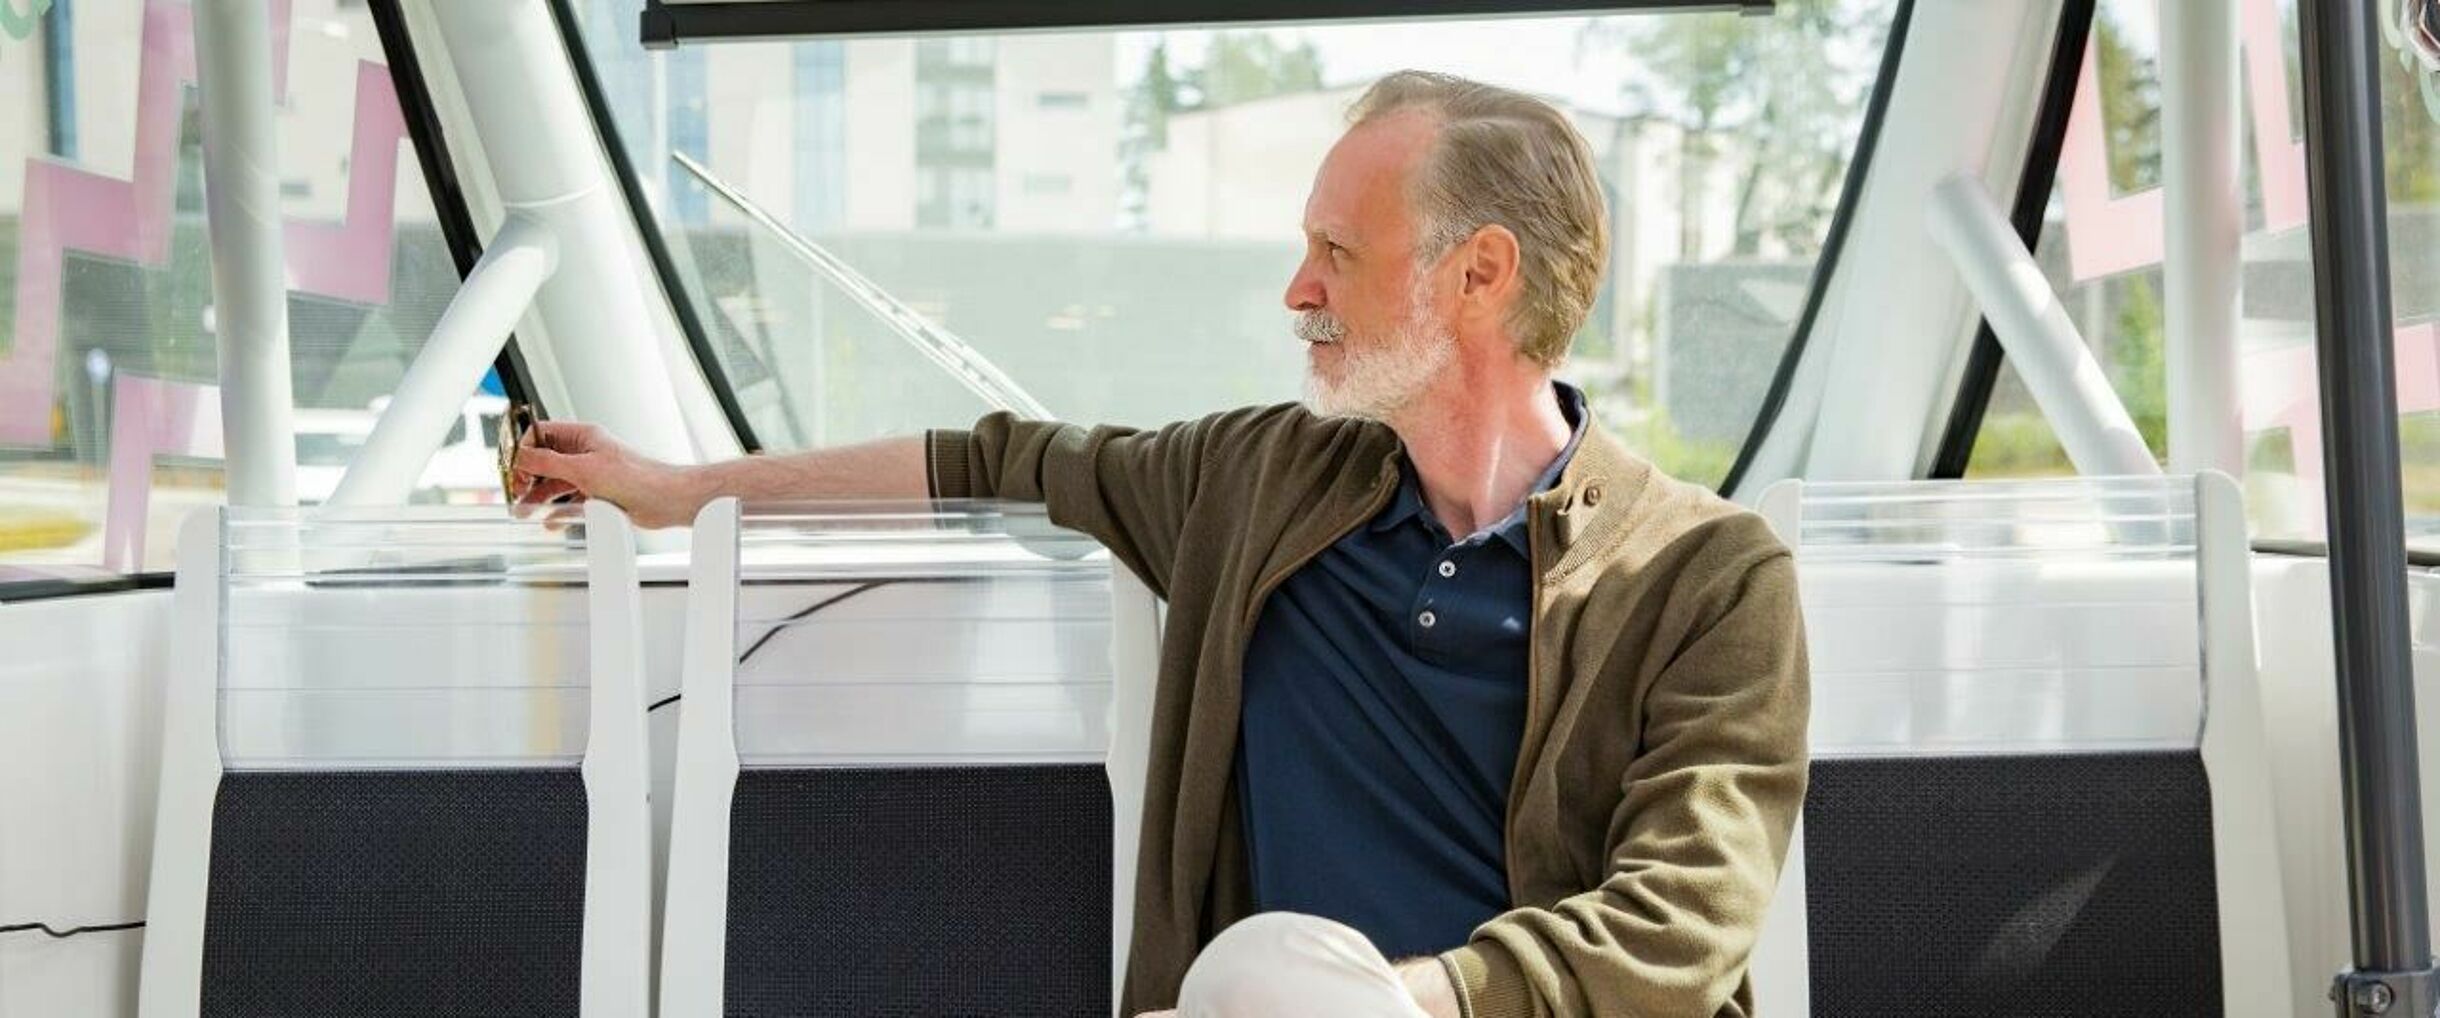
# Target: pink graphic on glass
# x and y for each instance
(150, 418)
(70, 209)
(2109, 233)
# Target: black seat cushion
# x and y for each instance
(429, 893)
(931, 892)
(2062, 885)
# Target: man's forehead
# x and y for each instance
(1362, 178)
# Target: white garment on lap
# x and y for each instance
(1286, 965)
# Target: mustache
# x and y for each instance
(1320, 327)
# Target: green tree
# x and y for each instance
(1244, 66)
(2130, 105)
(1157, 95)
(1237, 67)
(1777, 91)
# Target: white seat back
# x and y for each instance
(402, 768)
(1991, 631)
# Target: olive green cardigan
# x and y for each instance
(1663, 758)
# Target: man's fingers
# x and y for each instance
(545, 463)
(563, 436)
(539, 491)
(564, 515)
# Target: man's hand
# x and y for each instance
(1427, 980)
(561, 458)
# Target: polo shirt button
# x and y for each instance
(1592, 495)
(1448, 568)
(1426, 619)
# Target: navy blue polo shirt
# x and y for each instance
(1384, 701)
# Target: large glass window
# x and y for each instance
(1107, 220)
(2103, 246)
(109, 420)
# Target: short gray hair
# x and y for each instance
(1508, 159)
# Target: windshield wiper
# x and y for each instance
(942, 347)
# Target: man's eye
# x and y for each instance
(1336, 250)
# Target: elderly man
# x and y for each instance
(1449, 676)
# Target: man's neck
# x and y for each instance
(1478, 443)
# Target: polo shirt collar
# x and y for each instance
(1408, 504)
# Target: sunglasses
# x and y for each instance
(513, 426)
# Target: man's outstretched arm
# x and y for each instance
(572, 457)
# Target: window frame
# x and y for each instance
(1834, 241)
(2033, 186)
(648, 227)
(1979, 380)
(666, 26)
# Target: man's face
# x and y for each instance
(1369, 316)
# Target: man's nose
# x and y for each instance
(1304, 291)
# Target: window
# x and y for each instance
(2102, 248)
(1110, 218)
(109, 428)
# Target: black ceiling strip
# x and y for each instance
(1825, 268)
(656, 247)
(2033, 185)
(440, 174)
(668, 24)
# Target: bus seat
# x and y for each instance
(403, 769)
(2039, 782)
(890, 794)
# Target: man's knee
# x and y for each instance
(1281, 963)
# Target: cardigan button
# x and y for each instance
(1592, 495)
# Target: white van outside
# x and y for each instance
(465, 470)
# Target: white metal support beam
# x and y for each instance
(2203, 273)
(241, 164)
(1894, 319)
(546, 163)
(463, 345)
(2033, 327)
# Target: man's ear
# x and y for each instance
(1492, 273)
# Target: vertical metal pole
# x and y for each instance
(2203, 274)
(59, 76)
(2393, 971)
(241, 161)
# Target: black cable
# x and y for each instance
(70, 931)
(801, 616)
(775, 630)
